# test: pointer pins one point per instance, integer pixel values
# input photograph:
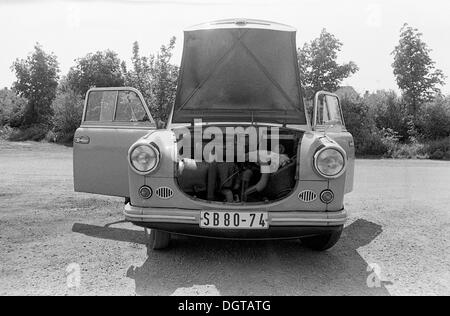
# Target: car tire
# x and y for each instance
(322, 242)
(158, 240)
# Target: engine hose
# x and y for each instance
(228, 179)
(212, 178)
(246, 176)
(261, 185)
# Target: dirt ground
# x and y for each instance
(396, 241)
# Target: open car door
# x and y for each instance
(113, 119)
(328, 118)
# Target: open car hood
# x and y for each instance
(239, 70)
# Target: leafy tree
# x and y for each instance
(434, 121)
(319, 69)
(140, 77)
(37, 80)
(359, 121)
(12, 108)
(414, 69)
(68, 109)
(156, 77)
(100, 69)
(389, 111)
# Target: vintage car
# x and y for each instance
(240, 156)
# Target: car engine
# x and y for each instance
(241, 182)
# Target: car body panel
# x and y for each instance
(339, 134)
(345, 140)
(241, 23)
(187, 216)
(164, 177)
(228, 74)
(100, 164)
(293, 224)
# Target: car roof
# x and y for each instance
(241, 23)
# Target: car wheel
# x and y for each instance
(322, 242)
(158, 239)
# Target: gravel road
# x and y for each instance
(396, 241)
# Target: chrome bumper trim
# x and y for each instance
(322, 220)
(163, 218)
(276, 218)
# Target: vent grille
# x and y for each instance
(164, 193)
(307, 196)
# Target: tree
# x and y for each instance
(434, 121)
(156, 77)
(68, 109)
(389, 111)
(319, 69)
(140, 77)
(12, 108)
(100, 69)
(414, 69)
(360, 123)
(37, 80)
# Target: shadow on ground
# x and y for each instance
(251, 267)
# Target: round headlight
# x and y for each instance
(329, 162)
(144, 158)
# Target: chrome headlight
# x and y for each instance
(329, 162)
(144, 158)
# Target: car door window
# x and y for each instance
(100, 106)
(130, 108)
(328, 110)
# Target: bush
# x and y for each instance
(438, 149)
(390, 140)
(51, 137)
(389, 111)
(371, 144)
(397, 150)
(68, 109)
(434, 122)
(34, 132)
(12, 108)
(408, 151)
(359, 122)
(5, 132)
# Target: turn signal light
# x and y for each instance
(327, 196)
(145, 192)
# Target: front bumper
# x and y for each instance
(284, 224)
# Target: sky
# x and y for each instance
(369, 30)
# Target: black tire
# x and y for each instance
(322, 242)
(158, 239)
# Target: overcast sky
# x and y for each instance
(368, 29)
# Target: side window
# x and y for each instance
(328, 110)
(130, 108)
(100, 106)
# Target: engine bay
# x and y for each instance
(243, 180)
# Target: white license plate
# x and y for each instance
(234, 220)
